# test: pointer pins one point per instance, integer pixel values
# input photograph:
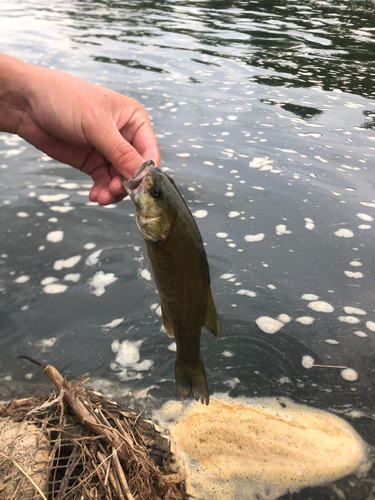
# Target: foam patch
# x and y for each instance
(261, 448)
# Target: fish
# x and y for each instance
(179, 265)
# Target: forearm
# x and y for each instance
(15, 77)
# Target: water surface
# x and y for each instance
(265, 117)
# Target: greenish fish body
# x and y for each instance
(179, 264)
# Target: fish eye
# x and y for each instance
(156, 192)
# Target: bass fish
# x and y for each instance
(179, 264)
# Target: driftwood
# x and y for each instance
(114, 452)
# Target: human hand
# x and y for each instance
(94, 129)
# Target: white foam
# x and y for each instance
(70, 185)
(365, 217)
(145, 273)
(307, 362)
(173, 347)
(72, 277)
(354, 310)
(331, 341)
(370, 325)
(233, 214)
(46, 198)
(281, 229)
(358, 275)
(99, 282)
(183, 155)
(66, 264)
(269, 325)
(309, 296)
(93, 258)
(320, 306)
(349, 374)
(113, 324)
(46, 343)
(221, 235)
(48, 281)
(254, 237)
(344, 233)
(261, 162)
(305, 320)
(227, 354)
(200, 214)
(62, 210)
(127, 360)
(360, 334)
(355, 263)
(226, 276)
(349, 319)
(55, 236)
(284, 318)
(249, 293)
(55, 288)
(22, 214)
(89, 246)
(22, 279)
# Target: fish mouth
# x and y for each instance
(135, 185)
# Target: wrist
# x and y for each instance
(14, 83)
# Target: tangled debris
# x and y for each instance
(79, 445)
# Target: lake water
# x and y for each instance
(265, 116)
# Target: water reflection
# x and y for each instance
(304, 44)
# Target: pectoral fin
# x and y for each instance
(166, 323)
(211, 322)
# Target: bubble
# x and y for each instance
(145, 273)
(200, 214)
(99, 282)
(281, 229)
(305, 320)
(55, 236)
(55, 288)
(344, 233)
(309, 296)
(349, 374)
(269, 325)
(46, 198)
(307, 362)
(22, 279)
(365, 217)
(320, 306)
(254, 237)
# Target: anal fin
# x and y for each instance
(211, 322)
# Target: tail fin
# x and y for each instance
(191, 378)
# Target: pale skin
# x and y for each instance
(92, 128)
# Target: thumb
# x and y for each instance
(119, 152)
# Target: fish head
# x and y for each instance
(149, 191)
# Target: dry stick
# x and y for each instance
(112, 477)
(121, 476)
(85, 417)
(25, 474)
